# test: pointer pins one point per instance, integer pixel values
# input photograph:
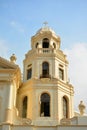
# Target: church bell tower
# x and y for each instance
(45, 95)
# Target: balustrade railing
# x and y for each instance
(45, 50)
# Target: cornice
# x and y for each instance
(32, 54)
(48, 81)
(7, 63)
(34, 84)
(36, 126)
(11, 75)
(7, 70)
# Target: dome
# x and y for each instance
(45, 29)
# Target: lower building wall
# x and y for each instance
(15, 127)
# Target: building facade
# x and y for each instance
(44, 98)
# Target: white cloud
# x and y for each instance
(77, 57)
(3, 48)
(17, 26)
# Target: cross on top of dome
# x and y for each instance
(45, 23)
(45, 28)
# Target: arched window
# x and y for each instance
(65, 107)
(45, 105)
(29, 71)
(24, 111)
(54, 45)
(45, 43)
(61, 73)
(37, 45)
(45, 69)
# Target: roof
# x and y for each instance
(4, 63)
(45, 29)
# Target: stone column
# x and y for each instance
(10, 102)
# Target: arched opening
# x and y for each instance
(45, 105)
(65, 107)
(29, 73)
(45, 69)
(61, 74)
(37, 45)
(54, 45)
(45, 43)
(24, 111)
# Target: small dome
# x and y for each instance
(45, 32)
(13, 58)
(45, 29)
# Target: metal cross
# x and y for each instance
(45, 23)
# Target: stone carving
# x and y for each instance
(81, 107)
(23, 121)
(13, 58)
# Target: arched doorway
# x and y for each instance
(45, 105)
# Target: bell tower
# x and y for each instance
(45, 96)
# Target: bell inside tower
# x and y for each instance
(45, 43)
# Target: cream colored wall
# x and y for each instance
(4, 99)
(9, 82)
(8, 97)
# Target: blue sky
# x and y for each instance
(20, 19)
(67, 18)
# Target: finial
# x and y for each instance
(13, 58)
(45, 23)
(81, 107)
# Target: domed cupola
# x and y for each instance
(45, 38)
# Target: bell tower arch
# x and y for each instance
(45, 105)
(45, 43)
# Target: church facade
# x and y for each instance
(44, 98)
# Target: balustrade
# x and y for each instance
(45, 50)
